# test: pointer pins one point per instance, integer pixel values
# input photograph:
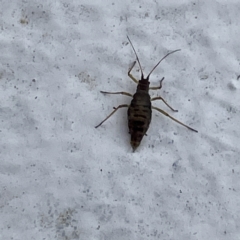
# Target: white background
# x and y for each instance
(60, 178)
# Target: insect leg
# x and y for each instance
(160, 98)
(115, 109)
(174, 119)
(130, 75)
(155, 88)
(123, 93)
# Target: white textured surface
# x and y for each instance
(60, 178)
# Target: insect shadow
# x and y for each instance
(140, 108)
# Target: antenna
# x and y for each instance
(136, 55)
(161, 60)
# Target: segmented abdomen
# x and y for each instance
(139, 117)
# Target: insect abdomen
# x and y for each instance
(139, 117)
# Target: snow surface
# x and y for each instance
(60, 178)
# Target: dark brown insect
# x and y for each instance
(140, 109)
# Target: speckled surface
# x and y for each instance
(60, 178)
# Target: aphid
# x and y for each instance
(140, 109)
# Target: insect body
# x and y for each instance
(140, 108)
(139, 113)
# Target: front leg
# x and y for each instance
(123, 93)
(130, 75)
(155, 88)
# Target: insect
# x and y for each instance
(140, 108)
